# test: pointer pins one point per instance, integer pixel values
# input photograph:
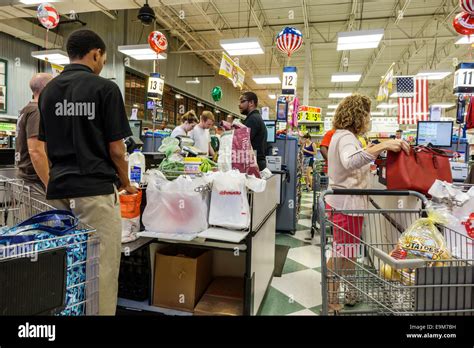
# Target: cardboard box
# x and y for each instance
(182, 274)
(225, 296)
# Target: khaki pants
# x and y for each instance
(103, 214)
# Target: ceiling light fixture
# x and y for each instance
(443, 105)
(52, 56)
(356, 40)
(346, 77)
(387, 106)
(141, 52)
(242, 47)
(199, 105)
(333, 106)
(178, 96)
(35, 2)
(465, 40)
(434, 75)
(330, 113)
(194, 81)
(272, 96)
(377, 113)
(267, 79)
(340, 95)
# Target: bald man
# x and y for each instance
(31, 159)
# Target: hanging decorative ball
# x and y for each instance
(463, 23)
(48, 15)
(216, 93)
(467, 6)
(289, 40)
(157, 41)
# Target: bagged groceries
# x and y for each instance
(229, 202)
(175, 207)
(130, 211)
(422, 240)
(236, 151)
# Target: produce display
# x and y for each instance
(207, 165)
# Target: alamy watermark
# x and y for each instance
(76, 109)
(19, 251)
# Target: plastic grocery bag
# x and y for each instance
(130, 211)
(174, 207)
(229, 201)
(236, 151)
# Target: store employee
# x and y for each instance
(83, 123)
(258, 132)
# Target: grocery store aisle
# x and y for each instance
(298, 291)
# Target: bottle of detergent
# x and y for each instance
(136, 167)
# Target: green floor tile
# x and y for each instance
(284, 239)
(302, 227)
(317, 269)
(277, 303)
(304, 216)
(293, 266)
(316, 309)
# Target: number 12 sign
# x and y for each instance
(464, 79)
(290, 77)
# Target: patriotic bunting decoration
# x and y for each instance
(289, 40)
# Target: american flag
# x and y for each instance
(412, 99)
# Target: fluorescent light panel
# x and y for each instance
(465, 40)
(240, 47)
(334, 106)
(377, 113)
(346, 77)
(35, 2)
(387, 106)
(340, 95)
(267, 79)
(272, 96)
(434, 75)
(193, 81)
(356, 40)
(443, 105)
(330, 113)
(141, 52)
(52, 56)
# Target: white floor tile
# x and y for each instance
(303, 286)
(302, 235)
(309, 256)
(305, 222)
(303, 312)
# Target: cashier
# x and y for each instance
(258, 131)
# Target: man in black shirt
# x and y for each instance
(83, 123)
(258, 132)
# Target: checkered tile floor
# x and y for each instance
(298, 291)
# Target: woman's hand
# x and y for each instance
(397, 145)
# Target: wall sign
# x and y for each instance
(3, 86)
(464, 79)
(156, 84)
(290, 79)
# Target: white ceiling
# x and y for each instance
(422, 38)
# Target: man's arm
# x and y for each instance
(117, 154)
(36, 150)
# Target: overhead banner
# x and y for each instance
(57, 69)
(232, 71)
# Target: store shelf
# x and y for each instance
(310, 122)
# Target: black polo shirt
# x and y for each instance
(258, 136)
(81, 113)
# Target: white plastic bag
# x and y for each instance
(229, 202)
(173, 207)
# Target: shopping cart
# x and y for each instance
(320, 184)
(48, 275)
(362, 273)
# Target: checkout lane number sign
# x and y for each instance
(155, 86)
(290, 78)
(464, 78)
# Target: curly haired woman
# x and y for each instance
(349, 168)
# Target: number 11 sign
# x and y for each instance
(464, 79)
(290, 77)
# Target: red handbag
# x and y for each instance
(418, 170)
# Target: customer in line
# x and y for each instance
(258, 132)
(31, 159)
(201, 135)
(349, 168)
(324, 146)
(309, 151)
(83, 122)
(188, 122)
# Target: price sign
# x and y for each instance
(464, 79)
(156, 84)
(290, 78)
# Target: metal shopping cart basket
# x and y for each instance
(48, 274)
(355, 271)
(320, 184)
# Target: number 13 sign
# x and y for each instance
(290, 77)
(464, 79)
